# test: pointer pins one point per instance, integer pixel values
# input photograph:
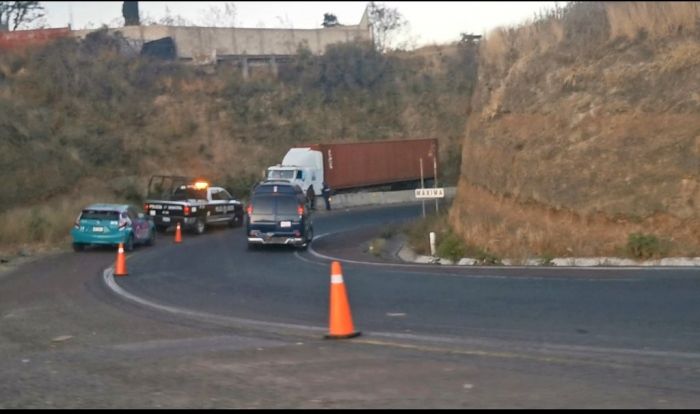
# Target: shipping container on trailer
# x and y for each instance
(362, 164)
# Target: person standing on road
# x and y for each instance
(311, 197)
(326, 191)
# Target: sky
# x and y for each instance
(428, 22)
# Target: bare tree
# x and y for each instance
(176, 20)
(222, 15)
(16, 13)
(284, 22)
(385, 22)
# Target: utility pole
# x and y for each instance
(422, 185)
(437, 210)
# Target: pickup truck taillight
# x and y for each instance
(249, 209)
(145, 208)
(187, 210)
(300, 210)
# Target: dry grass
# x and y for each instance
(43, 225)
(657, 19)
(683, 56)
(515, 230)
(582, 24)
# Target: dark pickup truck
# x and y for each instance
(193, 204)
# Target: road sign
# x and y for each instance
(430, 193)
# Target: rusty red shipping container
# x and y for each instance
(361, 164)
(25, 38)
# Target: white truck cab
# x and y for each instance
(301, 166)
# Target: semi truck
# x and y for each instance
(357, 165)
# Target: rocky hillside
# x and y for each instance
(586, 133)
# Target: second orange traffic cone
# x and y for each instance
(120, 266)
(340, 321)
(178, 235)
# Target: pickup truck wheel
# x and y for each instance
(200, 226)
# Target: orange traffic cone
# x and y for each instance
(120, 266)
(178, 235)
(340, 321)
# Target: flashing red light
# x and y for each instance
(187, 210)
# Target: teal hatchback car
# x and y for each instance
(111, 224)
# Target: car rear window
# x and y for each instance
(99, 215)
(264, 205)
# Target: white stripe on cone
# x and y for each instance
(336, 278)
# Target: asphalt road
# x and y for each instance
(210, 324)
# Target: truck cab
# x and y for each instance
(301, 166)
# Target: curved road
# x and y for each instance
(211, 324)
(640, 309)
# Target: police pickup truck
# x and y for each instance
(195, 206)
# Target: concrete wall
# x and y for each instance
(378, 198)
(204, 42)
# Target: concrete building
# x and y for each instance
(247, 47)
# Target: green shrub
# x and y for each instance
(377, 246)
(644, 246)
(485, 258)
(451, 247)
(546, 260)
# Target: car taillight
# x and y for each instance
(249, 209)
(145, 208)
(77, 223)
(122, 223)
(300, 210)
(187, 210)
